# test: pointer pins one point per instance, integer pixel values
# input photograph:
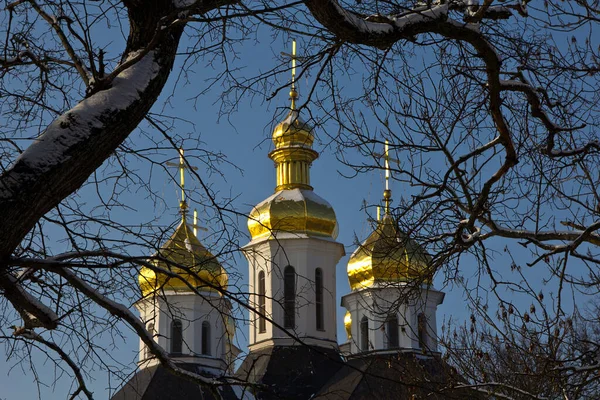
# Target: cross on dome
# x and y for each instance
(182, 166)
(293, 57)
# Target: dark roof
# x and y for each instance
(158, 383)
(289, 372)
(395, 376)
(303, 373)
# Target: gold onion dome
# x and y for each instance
(388, 255)
(294, 207)
(202, 270)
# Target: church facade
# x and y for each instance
(293, 353)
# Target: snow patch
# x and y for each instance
(312, 196)
(77, 124)
(183, 3)
(421, 16)
(296, 195)
(32, 300)
(397, 23)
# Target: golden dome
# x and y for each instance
(348, 324)
(183, 248)
(388, 255)
(293, 131)
(297, 211)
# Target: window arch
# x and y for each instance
(289, 297)
(319, 299)
(422, 330)
(393, 339)
(262, 309)
(150, 329)
(176, 337)
(364, 334)
(205, 338)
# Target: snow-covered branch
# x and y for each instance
(33, 312)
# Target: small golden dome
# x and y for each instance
(388, 255)
(348, 324)
(293, 131)
(297, 211)
(183, 248)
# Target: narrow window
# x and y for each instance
(364, 334)
(422, 330)
(151, 333)
(206, 338)
(392, 332)
(289, 297)
(176, 337)
(319, 299)
(262, 292)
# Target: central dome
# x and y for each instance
(297, 211)
(388, 255)
(294, 207)
(199, 268)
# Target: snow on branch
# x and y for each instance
(21, 59)
(34, 312)
(76, 125)
(377, 30)
(387, 24)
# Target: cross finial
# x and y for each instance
(387, 193)
(293, 91)
(182, 166)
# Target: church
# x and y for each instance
(390, 351)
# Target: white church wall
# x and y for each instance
(305, 255)
(192, 310)
(382, 302)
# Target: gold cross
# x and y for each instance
(182, 166)
(387, 194)
(293, 57)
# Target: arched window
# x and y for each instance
(289, 297)
(151, 333)
(391, 328)
(262, 293)
(319, 299)
(422, 330)
(176, 337)
(206, 338)
(364, 334)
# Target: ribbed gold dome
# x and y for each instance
(293, 154)
(184, 248)
(388, 255)
(296, 210)
(293, 131)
